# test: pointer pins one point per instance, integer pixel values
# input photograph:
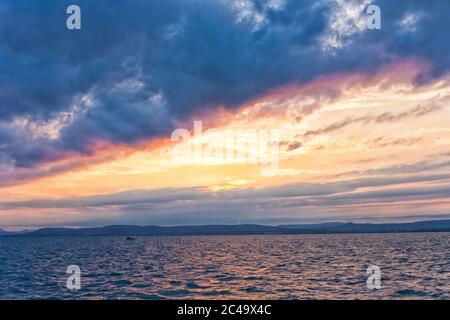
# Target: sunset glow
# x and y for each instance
(356, 143)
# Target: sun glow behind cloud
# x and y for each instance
(86, 117)
(332, 130)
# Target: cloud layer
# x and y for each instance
(363, 113)
(137, 68)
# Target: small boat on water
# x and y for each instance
(130, 238)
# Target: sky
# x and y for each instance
(352, 123)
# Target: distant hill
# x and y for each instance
(241, 229)
(7, 233)
(327, 225)
(339, 227)
(126, 230)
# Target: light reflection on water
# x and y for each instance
(414, 266)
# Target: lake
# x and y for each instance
(413, 266)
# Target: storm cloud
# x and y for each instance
(137, 68)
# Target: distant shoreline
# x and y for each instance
(241, 229)
(217, 235)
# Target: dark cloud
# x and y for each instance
(294, 202)
(385, 117)
(176, 197)
(381, 142)
(291, 146)
(405, 168)
(138, 67)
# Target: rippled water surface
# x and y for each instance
(413, 266)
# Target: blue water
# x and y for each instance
(413, 266)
